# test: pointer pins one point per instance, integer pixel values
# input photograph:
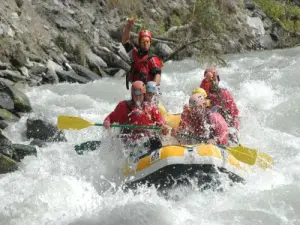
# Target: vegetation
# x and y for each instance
(287, 13)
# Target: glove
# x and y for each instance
(106, 124)
(165, 130)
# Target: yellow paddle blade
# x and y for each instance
(243, 154)
(72, 122)
(264, 160)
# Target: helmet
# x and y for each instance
(138, 88)
(151, 87)
(197, 100)
(145, 33)
(214, 73)
(200, 91)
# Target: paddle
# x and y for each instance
(245, 155)
(77, 123)
(241, 153)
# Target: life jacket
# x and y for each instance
(137, 117)
(139, 68)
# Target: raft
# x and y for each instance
(173, 165)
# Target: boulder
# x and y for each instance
(21, 101)
(37, 142)
(39, 129)
(14, 76)
(6, 146)
(84, 72)
(3, 124)
(71, 76)
(7, 115)
(24, 150)
(7, 164)
(163, 50)
(6, 101)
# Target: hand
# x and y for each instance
(106, 124)
(130, 21)
(173, 132)
(211, 141)
(165, 130)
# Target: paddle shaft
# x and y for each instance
(130, 126)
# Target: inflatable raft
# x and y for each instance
(176, 165)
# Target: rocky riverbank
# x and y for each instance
(52, 41)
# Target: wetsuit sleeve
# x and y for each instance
(119, 115)
(155, 65)
(220, 128)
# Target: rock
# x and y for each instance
(6, 101)
(84, 72)
(297, 2)
(4, 66)
(6, 146)
(111, 71)
(38, 70)
(111, 58)
(71, 76)
(7, 164)
(24, 150)
(19, 3)
(52, 68)
(37, 142)
(12, 75)
(3, 124)
(21, 101)
(260, 14)
(267, 24)
(6, 82)
(6, 31)
(250, 5)
(18, 57)
(24, 71)
(120, 73)
(257, 26)
(39, 129)
(122, 53)
(7, 115)
(64, 20)
(163, 50)
(95, 60)
(266, 42)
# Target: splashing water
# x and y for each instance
(61, 187)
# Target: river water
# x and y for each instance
(61, 187)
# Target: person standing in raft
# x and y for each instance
(221, 97)
(200, 121)
(137, 111)
(145, 66)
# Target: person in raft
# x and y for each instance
(145, 66)
(202, 122)
(221, 97)
(137, 111)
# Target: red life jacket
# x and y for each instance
(139, 67)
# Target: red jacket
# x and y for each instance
(128, 113)
(144, 67)
(212, 126)
(228, 109)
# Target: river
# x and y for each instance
(61, 187)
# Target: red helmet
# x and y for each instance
(145, 33)
(197, 100)
(214, 73)
(138, 88)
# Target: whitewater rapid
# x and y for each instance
(61, 187)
